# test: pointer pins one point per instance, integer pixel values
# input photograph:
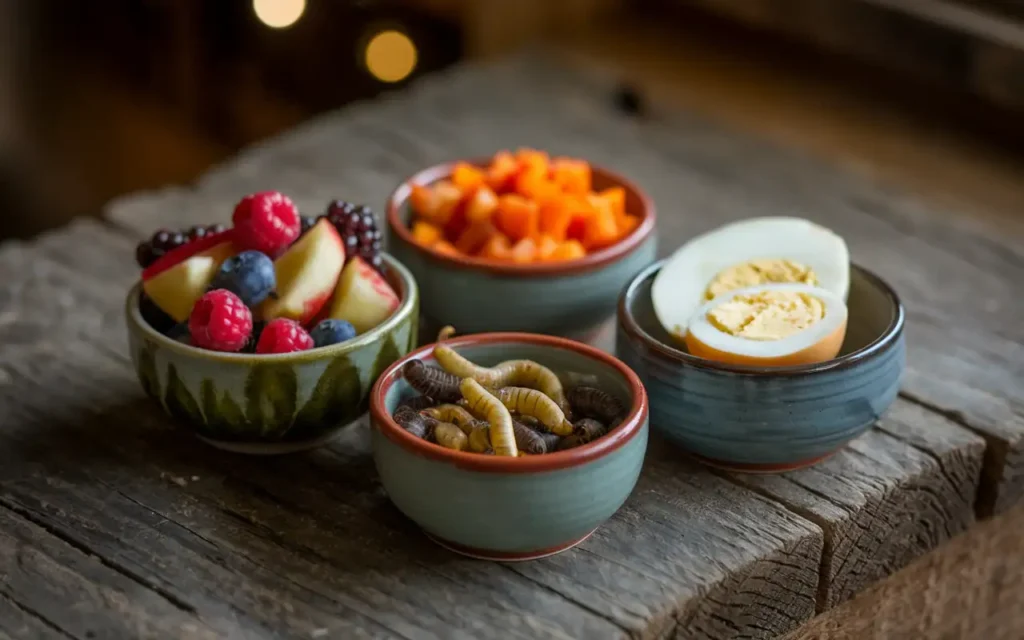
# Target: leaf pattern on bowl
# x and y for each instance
(223, 415)
(178, 400)
(387, 355)
(145, 367)
(335, 399)
(270, 399)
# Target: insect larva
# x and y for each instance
(588, 429)
(570, 443)
(480, 439)
(589, 402)
(551, 441)
(412, 422)
(531, 402)
(432, 382)
(527, 439)
(481, 403)
(452, 413)
(529, 421)
(417, 403)
(511, 373)
(450, 436)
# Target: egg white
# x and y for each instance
(699, 328)
(679, 287)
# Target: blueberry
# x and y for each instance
(249, 275)
(332, 332)
(180, 333)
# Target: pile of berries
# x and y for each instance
(229, 310)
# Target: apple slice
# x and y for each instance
(306, 274)
(180, 282)
(186, 251)
(363, 297)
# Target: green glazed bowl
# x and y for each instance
(279, 403)
(502, 508)
(475, 295)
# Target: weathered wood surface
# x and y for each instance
(163, 532)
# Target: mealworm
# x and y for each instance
(431, 381)
(589, 402)
(450, 436)
(452, 413)
(480, 439)
(534, 403)
(481, 403)
(412, 422)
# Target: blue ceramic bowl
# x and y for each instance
(767, 419)
(557, 298)
(503, 508)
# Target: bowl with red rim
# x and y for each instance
(566, 298)
(512, 508)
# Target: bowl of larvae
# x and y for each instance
(508, 446)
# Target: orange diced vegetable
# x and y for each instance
(502, 171)
(517, 217)
(601, 229)
(437, 202)
(555, 216)
(581, 211)
(546, 247)
(445, 247)
(475, 236)
(569, 250)
(628, 225)
(497, 247)
(425, 233)
(533, 161)
(573, 176)
(616, 199)
(536, 186)
(524, 251)
(481, 204)
(467, 177)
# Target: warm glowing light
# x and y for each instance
(279, 13)
(390, 56)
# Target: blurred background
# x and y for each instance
(102, 98)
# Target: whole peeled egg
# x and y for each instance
(744, 254)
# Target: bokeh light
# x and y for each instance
(391, 56)
(279, 14)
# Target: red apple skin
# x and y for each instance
(184, 252)
(300, 263)
(363, 297)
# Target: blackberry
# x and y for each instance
(307, 223)
(357, 225)
(164, 240)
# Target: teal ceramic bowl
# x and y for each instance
(767, 419)
(557, 298)
(520, 508)
(271, 403)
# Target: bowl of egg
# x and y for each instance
(761, 346)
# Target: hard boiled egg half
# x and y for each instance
(769, 325)
(748, 256)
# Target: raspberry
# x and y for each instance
(220, 321)
(267, 222)
(283, 336)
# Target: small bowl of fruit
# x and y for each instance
(266, 336)
(762, 346)
(521, 241)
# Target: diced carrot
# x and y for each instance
(555, 216)
(502, 171)
(616, 199)
(517, 217)
(568, 250)
(481, 205)
(457, 222)
(536, 186)
(532, 161)
(497, 247)
(425, 233)
(601, 229)
(475, 236)
(524, 251)
(581, 211)
(467, 177)
(445, 247)
(546, 246)
(573, 176)
(436, 203)
(628, 225)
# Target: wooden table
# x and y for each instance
(116, 524)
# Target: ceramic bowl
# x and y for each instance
(271, 403)
(520, 508)
(476, 295)
(767, 419)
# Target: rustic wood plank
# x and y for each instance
(701, 175)
(327, 543)
(17, 622)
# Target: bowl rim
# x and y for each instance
(592, 261)
(634, 332)
(618, 437)
(408, 305)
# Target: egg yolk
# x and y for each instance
(755, 272)
(767, 315)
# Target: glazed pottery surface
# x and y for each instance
(767, 420)
(513, 508)
(271, 403)
(566, 299)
